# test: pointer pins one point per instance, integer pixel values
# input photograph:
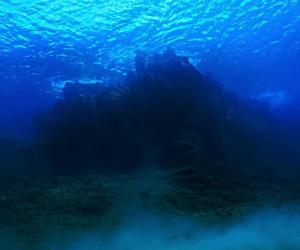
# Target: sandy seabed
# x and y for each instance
(184, 208)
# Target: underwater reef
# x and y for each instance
(166, 113)
(168, 139)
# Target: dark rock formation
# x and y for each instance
(168, 114)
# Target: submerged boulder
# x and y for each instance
(168, 113)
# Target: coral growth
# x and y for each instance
(33, 207)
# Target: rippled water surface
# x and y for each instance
(108, 32)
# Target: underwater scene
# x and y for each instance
(150, 125)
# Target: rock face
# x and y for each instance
(166, 113)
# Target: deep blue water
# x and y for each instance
(250, 46)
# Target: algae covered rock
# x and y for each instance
(36, 205)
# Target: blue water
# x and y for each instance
(108, 32)
(250, 46)
(49, 38)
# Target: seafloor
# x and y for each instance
(31, 207)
